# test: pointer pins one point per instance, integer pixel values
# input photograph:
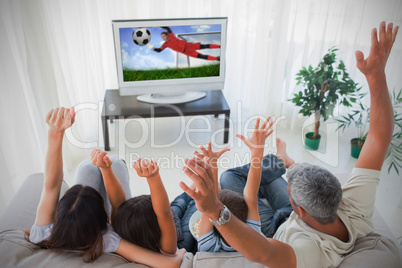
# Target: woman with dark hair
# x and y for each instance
(79, 220)
(70, 209)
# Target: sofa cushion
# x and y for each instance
(16, 251)
(222, 260)
(373, 250)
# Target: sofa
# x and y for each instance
(376, 250)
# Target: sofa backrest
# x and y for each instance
(21, 212)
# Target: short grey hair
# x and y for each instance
(316, 190)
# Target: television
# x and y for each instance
(170, 60)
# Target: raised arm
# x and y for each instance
(241, 237)
(148, 257)
(205, 224)
(151, 47)
(59, 120)
(256, 144)
(160, 204)
(113, 187)
(381, 113)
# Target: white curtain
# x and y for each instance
(22, 135)
(60, 52)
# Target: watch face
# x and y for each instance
(226, 216)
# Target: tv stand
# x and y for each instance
(116, 107)
(172, 98)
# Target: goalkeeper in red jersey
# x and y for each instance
(182, 46)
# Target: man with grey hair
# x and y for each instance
(327, 220)
(316, 190)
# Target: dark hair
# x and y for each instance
(135, 221)
(165, 33)
(235, 203)
(79, 221)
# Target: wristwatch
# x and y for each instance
(224, 217)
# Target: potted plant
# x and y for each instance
(323, 87)
(359, 117)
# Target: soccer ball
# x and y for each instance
(141, 36)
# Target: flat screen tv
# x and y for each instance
(170, 60)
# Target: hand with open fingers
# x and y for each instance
(199, 171)
(146, 168)
(260, 134)
(60, 119)
(379, 51)
(100, 159)
(213, 156)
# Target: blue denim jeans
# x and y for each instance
(184, 207)
(273, 187)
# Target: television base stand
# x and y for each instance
(117, 107)
(172, 98)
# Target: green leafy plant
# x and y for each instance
(323, 87)
(359, 117)
(394, 154)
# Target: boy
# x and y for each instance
(246, 208)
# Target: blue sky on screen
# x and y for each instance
(142, 58)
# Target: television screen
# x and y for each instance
(149, 53)
(170, 55)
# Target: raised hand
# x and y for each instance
(100, 159)
(146, 168)
(257, 139)
(203, 194)
(60, 119)
(213, 156)
(379, 51)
